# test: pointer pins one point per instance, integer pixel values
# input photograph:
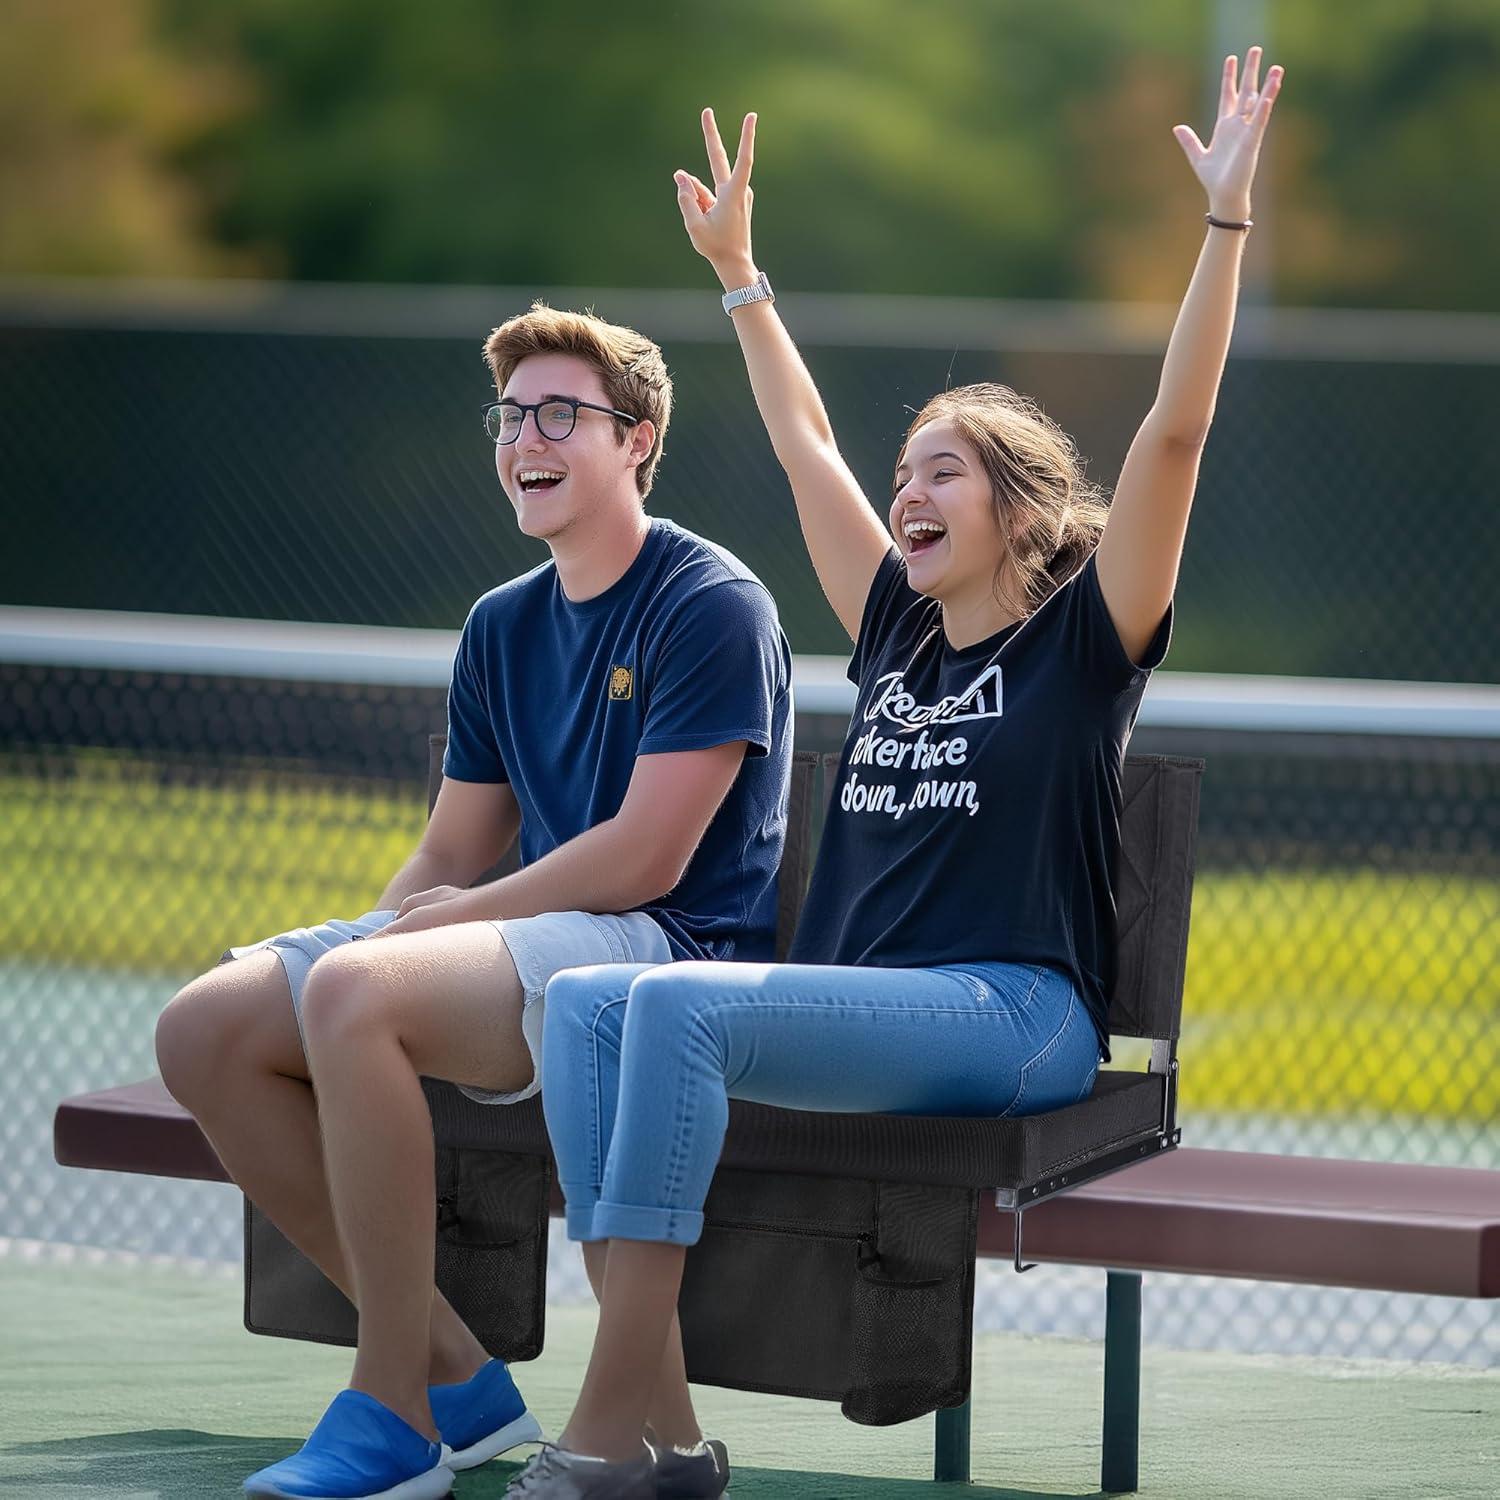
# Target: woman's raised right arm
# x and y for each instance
(844, 537)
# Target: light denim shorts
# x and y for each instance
(539, 946)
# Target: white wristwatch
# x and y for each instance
(759, 290)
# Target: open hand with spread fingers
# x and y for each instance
(718, 219)
(1226, 166)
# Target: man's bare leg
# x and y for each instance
(229, 1052)
(670, 1416)
(447, 1003)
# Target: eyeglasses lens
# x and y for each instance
(554, 420)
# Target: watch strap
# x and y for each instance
(759, 290)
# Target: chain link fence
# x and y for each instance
(1342, 992)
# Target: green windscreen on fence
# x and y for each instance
(317, 454)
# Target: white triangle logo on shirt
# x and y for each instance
(982, 699)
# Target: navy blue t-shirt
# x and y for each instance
(976, 815)
(683, 652)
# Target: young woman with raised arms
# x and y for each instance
(953, 955)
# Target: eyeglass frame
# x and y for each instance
(534, 407)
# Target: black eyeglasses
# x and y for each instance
(554, 417)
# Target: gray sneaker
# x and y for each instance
(554, 1474)
(692, 1476)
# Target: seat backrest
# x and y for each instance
(796, 855)
(1153, 890)
(1154, 894)
(797, 851)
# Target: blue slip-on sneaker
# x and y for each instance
(360, 1450)
(482, 1416)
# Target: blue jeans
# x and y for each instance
(640, 1062)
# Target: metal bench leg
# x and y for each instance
(1119, 1471)
(951, 1451)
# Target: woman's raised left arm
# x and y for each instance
(1141, 547)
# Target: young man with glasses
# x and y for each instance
(625, 710)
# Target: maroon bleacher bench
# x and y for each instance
(1380, 1226)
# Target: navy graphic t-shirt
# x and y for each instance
(976, 816)
(683, 652)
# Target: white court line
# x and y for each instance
(55, 1253)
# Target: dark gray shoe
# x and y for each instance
(692, 1476)
(554, 1474)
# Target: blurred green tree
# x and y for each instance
(475, 141)
(1392, 175)
(971, 147)
(93, 108)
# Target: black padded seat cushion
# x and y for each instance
(946, 1151)
(938, 1150)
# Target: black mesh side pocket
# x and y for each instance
(839, 1289)
(286, 1295)
(491, 1259)
(912, 1309)
(765, 1294)
(492, 1246)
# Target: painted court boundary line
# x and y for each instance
(59, 1253)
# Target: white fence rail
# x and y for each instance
(390, 657)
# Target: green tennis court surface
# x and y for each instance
(133, 1382)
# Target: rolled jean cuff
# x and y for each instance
(578, 1209)
(579, 1222)
(670, 1226)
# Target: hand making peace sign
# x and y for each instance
(718, 220)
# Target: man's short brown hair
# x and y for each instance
(630, 366)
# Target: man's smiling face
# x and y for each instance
(553, 482)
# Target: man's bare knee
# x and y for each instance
(232, 1019)
(188, 1041)
(341, 1000)
(449, 997)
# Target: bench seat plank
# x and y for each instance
(1381, 1225)
(138, 1127)
(1389, 1226)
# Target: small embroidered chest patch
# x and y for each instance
(621, 684)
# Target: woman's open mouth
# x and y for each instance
(922, 536)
